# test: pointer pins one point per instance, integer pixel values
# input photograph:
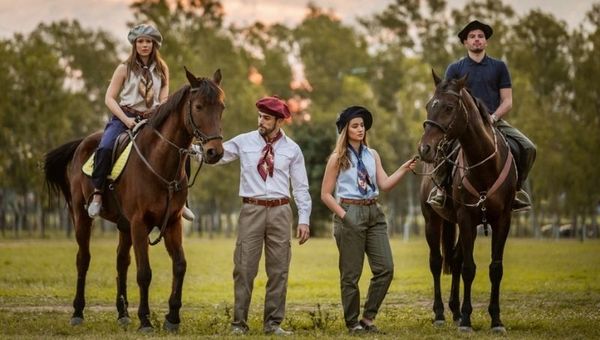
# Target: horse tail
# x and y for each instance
(448, 245)
(55, 168)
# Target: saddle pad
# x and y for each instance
(117, 168)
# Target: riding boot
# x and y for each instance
(522, 201)
(102, 165)
(186, 211)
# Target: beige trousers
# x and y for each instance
(271, 226)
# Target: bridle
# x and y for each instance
(199, 135)
(446, 129)
(175, 185)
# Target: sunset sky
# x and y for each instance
(112, 15)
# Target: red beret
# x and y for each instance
(273, 106)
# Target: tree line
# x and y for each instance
(54, 78)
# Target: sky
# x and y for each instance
(112, 15)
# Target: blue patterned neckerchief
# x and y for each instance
(363, 180)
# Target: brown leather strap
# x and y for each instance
(266, 203)
(501, 178)
(367, 201)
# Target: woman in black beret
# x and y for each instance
(360, 227)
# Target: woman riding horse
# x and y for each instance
(150, 191)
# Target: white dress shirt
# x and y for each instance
(288, 167)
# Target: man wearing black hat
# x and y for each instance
(269, 162)
(489, 80)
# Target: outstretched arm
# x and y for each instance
(385, 182)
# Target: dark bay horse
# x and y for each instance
(150, 192)
(482, 190)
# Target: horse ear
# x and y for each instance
(217, 77)
(436, 78)
(462, 81)
(191, 77)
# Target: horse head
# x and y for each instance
(204, 113)
(446, 117)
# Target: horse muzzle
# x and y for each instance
(427, 153)
(213, 154)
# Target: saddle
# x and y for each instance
(120, 154)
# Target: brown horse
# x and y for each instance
(150, 192)
(481, 193)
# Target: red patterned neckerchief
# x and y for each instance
(266, 162)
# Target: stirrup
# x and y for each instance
(187, 214)
(436, 197)
(522, 201)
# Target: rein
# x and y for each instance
(459, 164)
(175, 185)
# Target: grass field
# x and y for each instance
(551, 289)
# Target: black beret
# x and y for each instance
(351, 112)
(475, 25)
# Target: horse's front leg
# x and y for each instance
(454, 301)
(123, 262)
(433, 232)
(83, 225)
(467, 238)
(499, 236)
(173, 243)
(139, 235)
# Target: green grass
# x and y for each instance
(551, 289)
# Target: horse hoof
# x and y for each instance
(75, 321)
(146, 330)
(124, 321)
(500, 330)
(465, 329)
(439, 323)
(170, 327)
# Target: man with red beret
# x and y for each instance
(269, 161)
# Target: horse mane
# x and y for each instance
(173, 103)
(484, 112)
(206, 88)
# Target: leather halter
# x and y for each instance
(200, 136)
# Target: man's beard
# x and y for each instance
(477, 50)
(264, 131)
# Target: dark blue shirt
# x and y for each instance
(485, 78)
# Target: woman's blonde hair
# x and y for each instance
(341, 148)
(134, 63)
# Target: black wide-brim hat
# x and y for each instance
(475, 25)
(352, 112)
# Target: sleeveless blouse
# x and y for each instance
(130, 95)
(346, 185)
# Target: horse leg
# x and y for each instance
(467, 237)
(499, 236)
(123, 261)
(454, 301)
(173, 243)
(144, 272)
(433, 234)
(82, 223)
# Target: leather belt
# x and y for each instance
(366, 201)
(267, 203)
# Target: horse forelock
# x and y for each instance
(210, 92)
